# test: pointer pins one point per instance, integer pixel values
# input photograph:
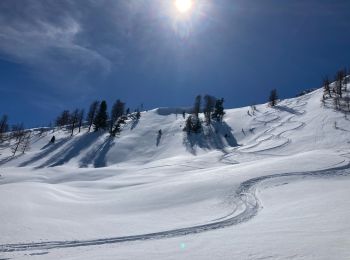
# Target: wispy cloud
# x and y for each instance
(53, 38)
(37, 44)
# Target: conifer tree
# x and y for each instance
(197, 105)
(101, 118)
(273, 97)
(138, 115)
(192, 124)
(116, 113)
(219, 110)
(339, 83)
(209, 104)
(3, 127)
(92, 113)
(326, 87)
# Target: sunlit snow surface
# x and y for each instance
(276, 187)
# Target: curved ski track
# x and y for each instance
(267, 135)
(245, 195)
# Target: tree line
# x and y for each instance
(213, 109)
(17, 133)
(97, 117)
(337, 91)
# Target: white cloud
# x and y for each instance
(35, 43)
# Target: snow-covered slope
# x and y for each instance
(269, 183)
(293, 126)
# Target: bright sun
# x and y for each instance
(183, 6)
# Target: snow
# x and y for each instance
(273, 184)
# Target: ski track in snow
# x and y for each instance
(244, 196)
(268, 134)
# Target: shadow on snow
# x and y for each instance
(72, 150)
(287, 109)
(217, 135)
(97, 156)
(46, 150)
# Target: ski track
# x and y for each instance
(299, 104)
(245, 196)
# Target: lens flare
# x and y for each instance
(183, 6)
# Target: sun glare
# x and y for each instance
(183, 6)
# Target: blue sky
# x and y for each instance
(57, 55)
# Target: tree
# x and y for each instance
(209, 104)
(63, 119)
(92, 113)
(219, 113)
(339, 83)
(326, 86)
(17, 131)
(138, 115)
(193, 124)
(81, 118)
(116, 113)
(188, 125)
(273, 97)
(197, 105)
(74, 120)
(346, 78)
(18, 134)
(101, 118)
(3, 127)
(253, 109)
(25, 144)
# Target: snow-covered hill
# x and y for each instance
(269, 183)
